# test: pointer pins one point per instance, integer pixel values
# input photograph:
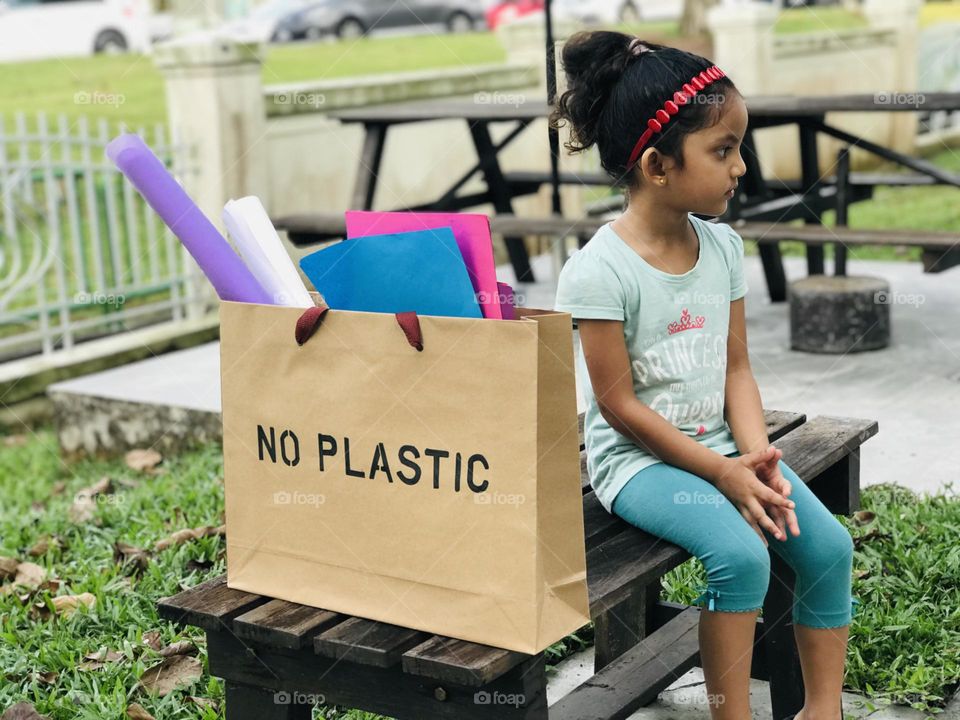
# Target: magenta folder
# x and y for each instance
(472, 233)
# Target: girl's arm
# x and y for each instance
(743, 409)
(608, 363)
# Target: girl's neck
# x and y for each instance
(655, 224)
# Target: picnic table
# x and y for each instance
(279, 658)
(757, 201)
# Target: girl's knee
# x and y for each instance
(737, 577)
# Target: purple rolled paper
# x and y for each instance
(224, 269)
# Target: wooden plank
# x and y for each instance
(626, 563)
(637, 677)
(779, 423)
(786, 677)
(459, 661)
(246, 702)
(210, 605)
(367, 642)
(775, 107)
(823, 441)
(623, 626)
(284, 624)
(821, 234)
(385, 691)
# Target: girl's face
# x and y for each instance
(712, 162)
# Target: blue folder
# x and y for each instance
(422, 271)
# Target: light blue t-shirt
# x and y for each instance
(675, 328)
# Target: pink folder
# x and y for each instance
(472, 233)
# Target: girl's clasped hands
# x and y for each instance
(755, 485)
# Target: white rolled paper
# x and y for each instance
(260, 247)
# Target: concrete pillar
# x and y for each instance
(215, 108)
(903, 17)
(215, 111)
(743, 43)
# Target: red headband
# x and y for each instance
(672, 107)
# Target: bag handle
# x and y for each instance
(311, 318)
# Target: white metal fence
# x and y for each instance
(939, 71)
(81, 254)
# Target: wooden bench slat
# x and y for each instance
(284, 624)
(819, 443)
(460, 661)
(367, 642)
(636, 677)
(210, 605)
(821, 234)
(779, 423)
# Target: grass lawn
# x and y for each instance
(904, 647)
(129, 89)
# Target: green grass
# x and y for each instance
(904, 641)
(129, 88)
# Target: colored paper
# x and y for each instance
(472, 233)
(259, 245)
(412, 271)
(222, 266)
(507, 301)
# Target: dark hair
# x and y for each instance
(611, 93)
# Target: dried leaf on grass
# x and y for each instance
(85, 501)
(22, 711)
(137, 559)
(8, 568)
(182, 536)
(174, 672)
(64, 605)
(143, 459)
(138, 712)
(151, 639)
(183, 647)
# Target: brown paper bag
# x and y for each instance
(435, 489)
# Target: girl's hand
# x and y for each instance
(769, 474)
(739, 482)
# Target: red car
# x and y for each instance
(511, 10)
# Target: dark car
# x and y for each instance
(350, 19)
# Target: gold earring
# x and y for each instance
(663, 181)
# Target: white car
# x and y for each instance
(614, 11)
(31, 29)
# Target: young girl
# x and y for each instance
(675, 434)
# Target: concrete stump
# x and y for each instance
(839, 314)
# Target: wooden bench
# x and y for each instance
(278, 658)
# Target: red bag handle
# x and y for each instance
(311, 318)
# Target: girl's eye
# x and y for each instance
(724, 150)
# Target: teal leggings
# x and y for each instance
(687, 510)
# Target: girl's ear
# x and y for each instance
(653, 165)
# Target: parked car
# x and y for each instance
(35, 29)
(263, 23)
(614, 11)
(504, 12)
(350, 19)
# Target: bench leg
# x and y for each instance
(783, 659)
(245, 702)
(624, 625)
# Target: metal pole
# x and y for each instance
(553, 134)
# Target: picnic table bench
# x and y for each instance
(277, 658)
(758, 200)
